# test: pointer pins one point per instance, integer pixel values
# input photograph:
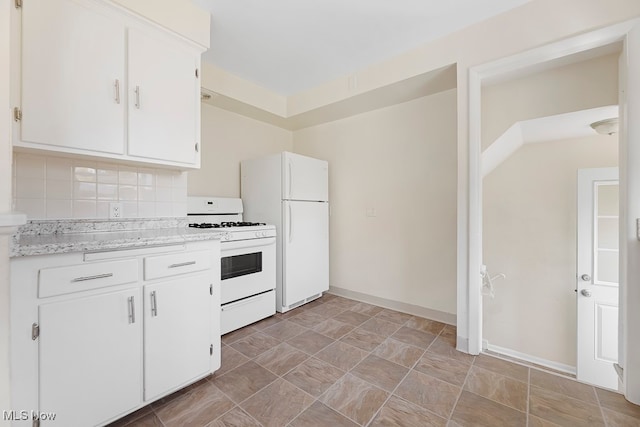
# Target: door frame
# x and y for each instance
(469, 295)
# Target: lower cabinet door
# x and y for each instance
(177, 333)
(90, 358)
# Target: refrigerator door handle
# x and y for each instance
(290, 173)
(290, 224)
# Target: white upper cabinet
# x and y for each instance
(98, 81)
(73, 75)
(164, 93)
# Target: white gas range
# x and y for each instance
(247, 260)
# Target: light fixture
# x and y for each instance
(606, 127)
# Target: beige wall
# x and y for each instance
(532, 194)
(530, 26)
(575, 87)
(401, 162)
(529, 233)
(227, 139)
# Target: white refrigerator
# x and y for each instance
(291, 191)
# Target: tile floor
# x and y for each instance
(337, 362)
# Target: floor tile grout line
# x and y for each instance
(349, 372)
(370, 352)
(466, 377)
(391, 394)
(525, 411)
(373, 417)
(282, 376)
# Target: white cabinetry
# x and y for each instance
(177, 330)
(178, 321)
(72, 68)
(90, 352)
(93, 340)
(95, 80)
(165, 99)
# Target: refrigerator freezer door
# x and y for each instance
(305, 178)
(305, 242)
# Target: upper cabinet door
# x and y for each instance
(305, 178)
(72, 76)
(164, 99)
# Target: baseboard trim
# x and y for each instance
(416, 310)
(561, 367)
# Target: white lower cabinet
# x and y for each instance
(90, 354)
(177, 333)
(102, 342)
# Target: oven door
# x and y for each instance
(248, 267)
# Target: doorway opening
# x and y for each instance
(472, 318)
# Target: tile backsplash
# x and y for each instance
(47, 187)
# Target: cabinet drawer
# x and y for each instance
(237, 314)
(84, 277)
(173, 264)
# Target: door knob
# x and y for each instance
(585, 277)
(586, 292)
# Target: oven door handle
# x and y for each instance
(248, 244)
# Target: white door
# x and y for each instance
(305, 249)
(177, 333)
(305, 178)
(163, 118)
(72, 76)
(597, 276)
(90, 358)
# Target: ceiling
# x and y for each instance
(289, 46)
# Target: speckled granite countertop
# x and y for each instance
(62, 236)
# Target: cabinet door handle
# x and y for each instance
(97, 276)
(117, 86)
(132, 310)
(154, 304)
(182, 264)
(137, 91)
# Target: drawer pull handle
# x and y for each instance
(182, 264)
(97, 276)
(132, 310)
(154, 304)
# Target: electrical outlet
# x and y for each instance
(115, 210)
